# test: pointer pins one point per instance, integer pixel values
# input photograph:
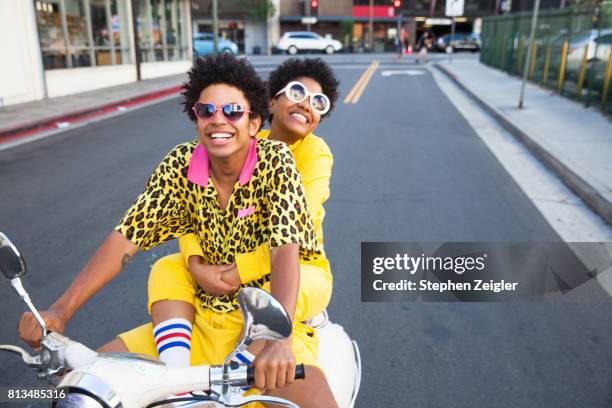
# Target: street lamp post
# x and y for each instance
(308, 14)
(534, 22)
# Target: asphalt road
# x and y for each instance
(408, 167)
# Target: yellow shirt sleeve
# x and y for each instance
(189, 245)
(315, 166)
(254, 265)
(160, 213)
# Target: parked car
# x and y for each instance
(459, 42)
(293, 42)
(203, 45)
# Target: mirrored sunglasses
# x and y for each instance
(232, 111)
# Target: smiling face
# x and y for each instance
(221, 137)
(295, 121)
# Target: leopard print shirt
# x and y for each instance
(270, 208)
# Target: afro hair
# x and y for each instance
(225, 69)
(314, 68)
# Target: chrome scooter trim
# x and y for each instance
(84, 383)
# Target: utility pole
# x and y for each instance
(136, 39)
(534, 22)
(215, 17)
(371, 27)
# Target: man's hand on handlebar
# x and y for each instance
(274, 365)
(31, 332)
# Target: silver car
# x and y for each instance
(293, 42)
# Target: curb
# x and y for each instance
(593, 198)
(50, 122)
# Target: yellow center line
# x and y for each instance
(365, 82)
(363, 79)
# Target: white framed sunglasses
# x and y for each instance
(296, 92)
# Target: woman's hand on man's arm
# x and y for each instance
(214, 279)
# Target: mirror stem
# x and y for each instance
(16, 282)
(239, 348)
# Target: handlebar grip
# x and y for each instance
(300, 373)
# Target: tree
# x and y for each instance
(346, 26)
(258, 10)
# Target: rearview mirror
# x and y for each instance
(264, 317)
(12, 264)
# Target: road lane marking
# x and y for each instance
(410, 72)
(361, 83)
(358, 93)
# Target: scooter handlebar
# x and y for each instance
(300, 374)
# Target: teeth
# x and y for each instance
(299, 117)
(220, 135)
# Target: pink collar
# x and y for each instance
(198, 165)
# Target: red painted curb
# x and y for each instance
(26, 129)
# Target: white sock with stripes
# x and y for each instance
(173, 340)
(244, 357)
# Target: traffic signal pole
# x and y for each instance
(215, 18)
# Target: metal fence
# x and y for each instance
(572, 52)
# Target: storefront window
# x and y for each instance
(89, 33)
(161, 30)
(83, 33)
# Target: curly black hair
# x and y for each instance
(225, 69)
(314, 68)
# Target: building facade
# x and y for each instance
(62, 47)
(348, 20)
(252, 24)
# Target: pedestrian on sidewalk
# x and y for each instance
(405, 43)
(423, 45)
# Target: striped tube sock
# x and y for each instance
(244, 357)
(173, 340)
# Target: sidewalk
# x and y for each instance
(574, 142)
(38, 115)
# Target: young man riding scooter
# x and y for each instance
(303, 90)
(235, 193)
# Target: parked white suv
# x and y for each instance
(294, 41)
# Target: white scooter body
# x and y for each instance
(338, 356)
(340, 360)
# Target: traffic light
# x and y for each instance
(397, 3)
(314, 8)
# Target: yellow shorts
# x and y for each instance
(215, 335)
